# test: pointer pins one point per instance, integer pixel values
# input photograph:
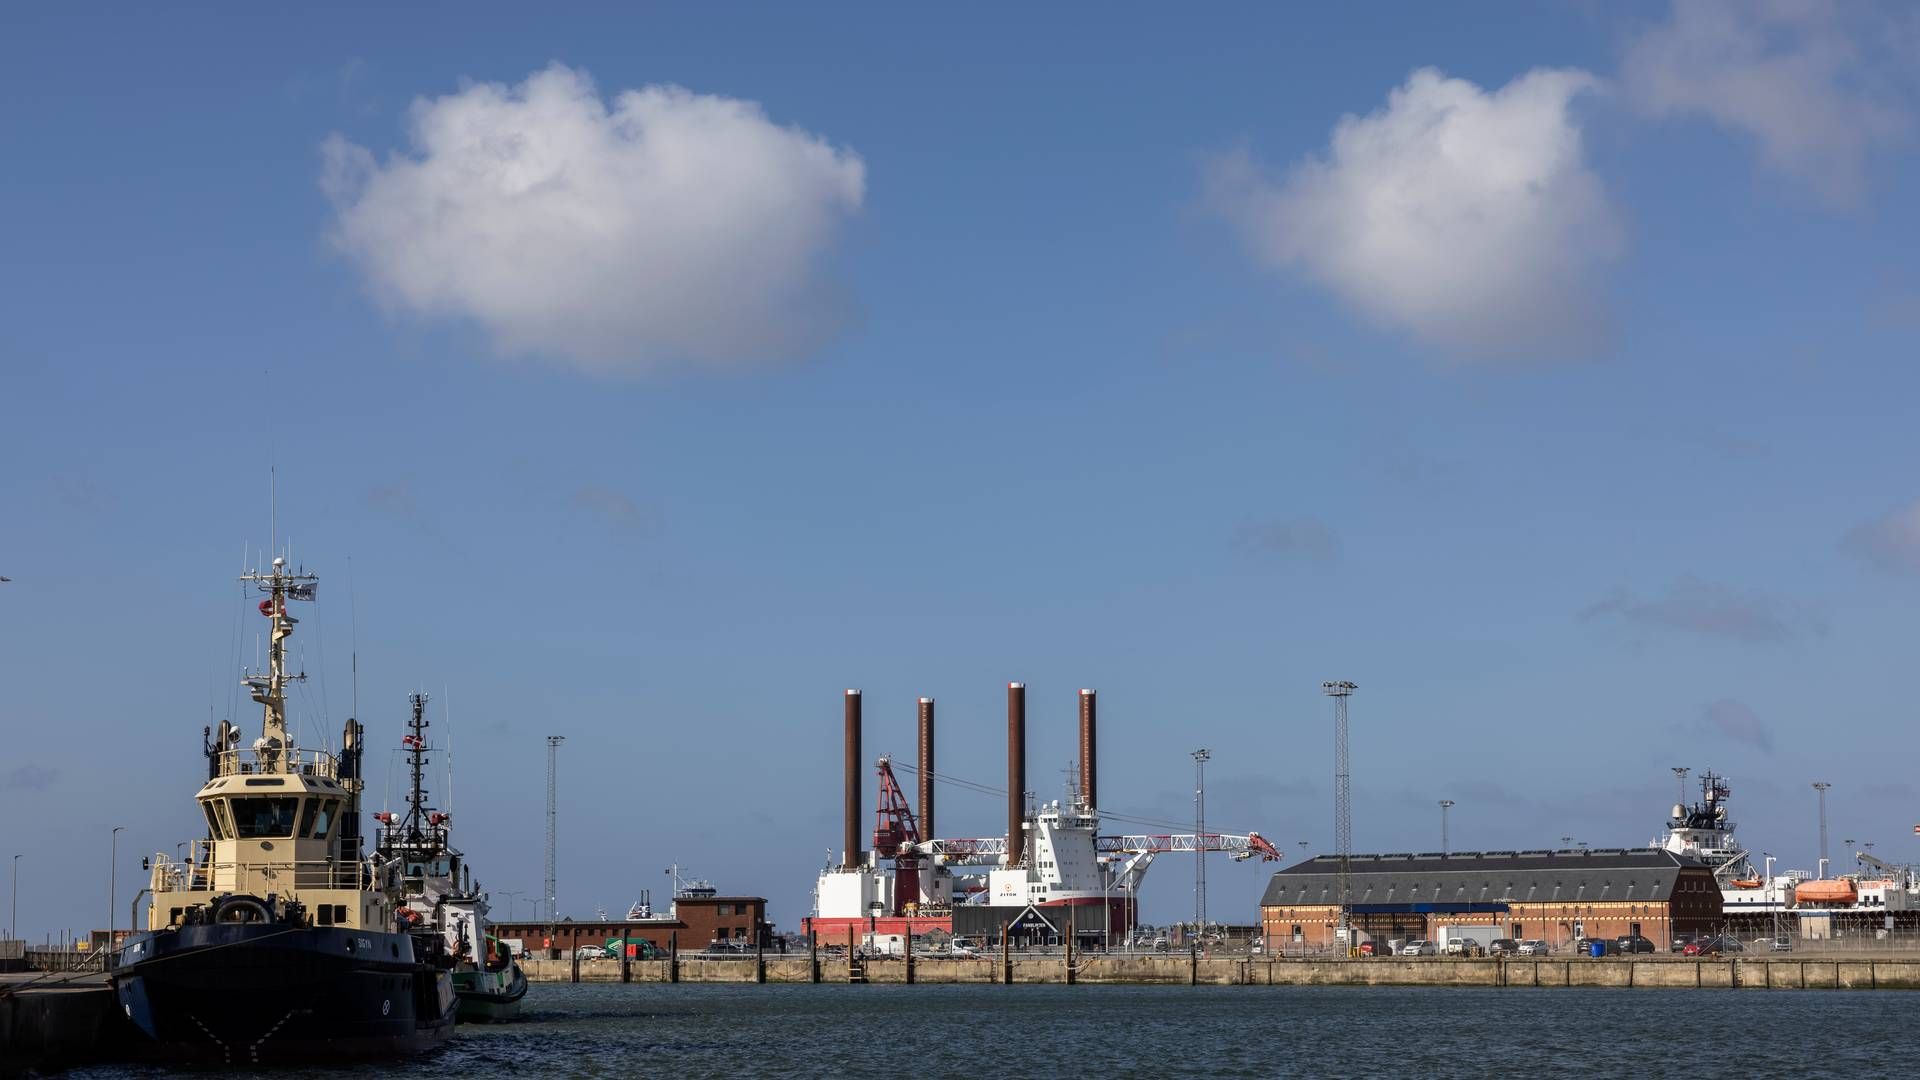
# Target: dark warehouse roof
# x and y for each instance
(1476, 877)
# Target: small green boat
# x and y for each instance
(492, 994)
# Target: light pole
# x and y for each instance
(1445, 805)
(1821, 786)
(113, 884)
(1340, 690)
(1200, 757)
(13, 922)
(1771, 902)
(512, 895)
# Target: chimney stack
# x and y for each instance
(1089, 750)
(926, 769)
(1016, 772)
(852, 859)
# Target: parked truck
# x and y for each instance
(1466, 940)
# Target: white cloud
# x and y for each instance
(662, 226)
(1709, 608)
(1796, 75)
(1465, 217)
(1891, 541)
(1302, 538)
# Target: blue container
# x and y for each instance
(1596, 948)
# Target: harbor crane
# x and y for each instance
(896, 837)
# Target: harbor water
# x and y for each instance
(1134, 1031)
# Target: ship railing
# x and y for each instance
(294, 761)
(283, 879)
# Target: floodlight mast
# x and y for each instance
(1339, 691)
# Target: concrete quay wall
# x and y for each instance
(1765, 973)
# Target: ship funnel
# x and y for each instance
(1089, 756)
(926, 769)
(851, 839)
(1016, 772)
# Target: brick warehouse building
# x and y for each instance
(695, 921)
(1554, 896)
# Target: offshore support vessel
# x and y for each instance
(442, 907)
(275, 940)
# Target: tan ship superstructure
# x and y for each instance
(282, 822)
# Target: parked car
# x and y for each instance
(1583, 946)
(1502, 946)
(1464, 947)
(590, 952)
(1419, 947)
(1532, 947)
(1780, 944)
(1681, 941)
(1368, 948)
(1630, 943)
(1714, 946)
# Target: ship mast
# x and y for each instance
(416, 744)
(273, 751)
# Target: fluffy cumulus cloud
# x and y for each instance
(1890, 542)
(1817, 85)
(660, 226)
(1465, 217)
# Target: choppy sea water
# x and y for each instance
(999, 1032)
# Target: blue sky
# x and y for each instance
(1570, 414)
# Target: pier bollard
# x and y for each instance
(813, 956)
(673, 957)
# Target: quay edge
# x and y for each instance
(1825, 973)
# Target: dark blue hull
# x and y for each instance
(262, 993)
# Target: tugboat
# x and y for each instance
(442, 907)
(275, 941)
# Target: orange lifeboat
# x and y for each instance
(1825, 891)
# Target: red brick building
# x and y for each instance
(1552, 896)
(694, 922)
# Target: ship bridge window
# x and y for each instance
(214, 827)
(317, 820)
(259, 818)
